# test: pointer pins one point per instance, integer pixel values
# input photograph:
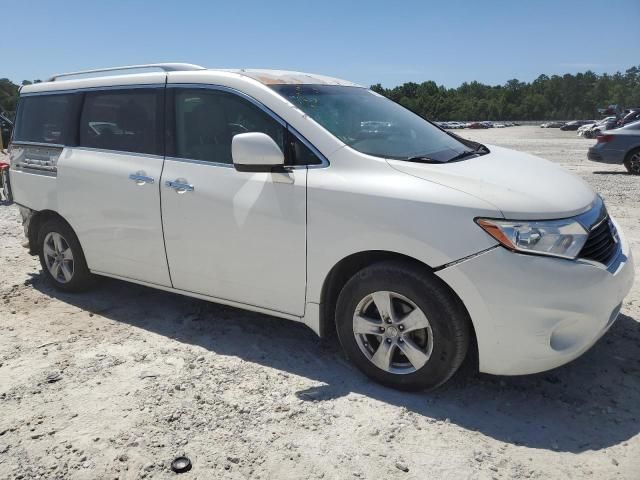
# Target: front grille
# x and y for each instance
(601, 244)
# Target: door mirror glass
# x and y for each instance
(256, 152)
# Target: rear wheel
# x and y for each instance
(62, 258)
(402, 326)
(632, 162)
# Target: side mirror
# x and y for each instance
(256, 152)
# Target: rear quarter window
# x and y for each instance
(46, 118)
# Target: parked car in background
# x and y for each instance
(632, 116)
(6, 127)
(601, 126)
(476, 125)
(584, 128)
(552, 125)
(619, 146)
(576, 124)
(499, 125)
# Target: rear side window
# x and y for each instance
(207, 120)
(46, 118)
(126, 121)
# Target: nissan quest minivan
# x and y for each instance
(317, 200)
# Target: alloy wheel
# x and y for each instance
(58, 257)
(392, 332)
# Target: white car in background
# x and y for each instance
(593, 130)
(319, 201)
(584, 128)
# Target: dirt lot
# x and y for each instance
(115, 383)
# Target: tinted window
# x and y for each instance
(46, 118)
(207, 120)
(300, 154)
(121, 120)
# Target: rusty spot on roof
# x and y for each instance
(279, 77)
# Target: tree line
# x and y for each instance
(9, 95)
(555, 97)
(565, 97)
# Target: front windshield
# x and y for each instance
(373, 124)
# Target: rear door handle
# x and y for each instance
(140, 178)
(180, 185)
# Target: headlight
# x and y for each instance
(558, 238)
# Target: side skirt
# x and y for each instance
(222, 301)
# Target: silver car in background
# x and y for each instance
(621, 145)
(592, 131)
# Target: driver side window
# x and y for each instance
(207, 120)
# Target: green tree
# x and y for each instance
(550, 98)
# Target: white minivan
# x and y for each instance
(317, 200)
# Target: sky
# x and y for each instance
(368, 42)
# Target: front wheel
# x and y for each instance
(62, 258)
(402, 326)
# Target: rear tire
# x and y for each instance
(62, 258)
(402, 326)
(632, 162)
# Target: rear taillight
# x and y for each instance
(605, 138)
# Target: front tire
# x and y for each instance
(402, 326)
(632, 162)
(61, 257)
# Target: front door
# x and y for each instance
(232, 235)
(108, 186)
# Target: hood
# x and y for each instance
(519, 185)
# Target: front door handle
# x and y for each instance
(140, 178)
(180, 185)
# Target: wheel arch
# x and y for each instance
(349, 266)
(38, 219)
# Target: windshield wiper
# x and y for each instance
(463, 154)
(422, 159)
(479, 150)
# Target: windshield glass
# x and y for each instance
(373, 124)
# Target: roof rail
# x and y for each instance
(167, 67)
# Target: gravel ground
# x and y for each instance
(117, 382)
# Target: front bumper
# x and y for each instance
(534, 313)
